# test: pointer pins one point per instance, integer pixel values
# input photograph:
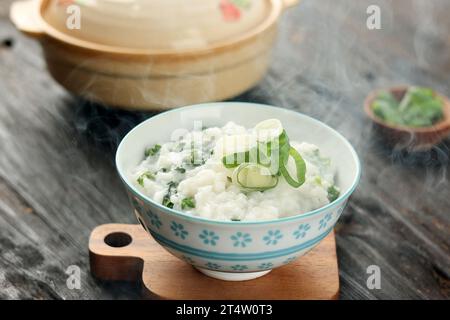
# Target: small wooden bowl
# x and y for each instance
(410, 138)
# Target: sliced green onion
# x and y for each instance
(254, 177)
(258, 168)
(277, 150)
(268, 130)
(300, 167)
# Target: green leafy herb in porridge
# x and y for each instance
(188, 202)
(333, 193)
(145, 175)
(150, 152)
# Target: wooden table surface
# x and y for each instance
(58, 181)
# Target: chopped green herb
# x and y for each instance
(187, 203)
(153, 150)
(166, 202)
(164, 170)
(333, 193)
(171, 190)
(147, 175)
(172, 185)
(318, 180)
(419, 107)
(180, 169)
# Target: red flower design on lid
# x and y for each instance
(229, 11)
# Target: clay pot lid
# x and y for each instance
(162, 25)
(412, 138)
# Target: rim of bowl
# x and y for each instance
(48, 29)
(317, 211)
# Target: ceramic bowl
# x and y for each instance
(237, 250)
(409, 138)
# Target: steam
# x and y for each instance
(325, 63)
(431, 38)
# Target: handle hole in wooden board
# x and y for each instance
(118, 239)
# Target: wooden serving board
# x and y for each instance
(127, 252)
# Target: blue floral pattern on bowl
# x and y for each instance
(154, 219)
(301, 231)
(289, 260)
(214, 266)
(266, 265)
(137, 204)
(239, 267)
(188, 259)
(241, 239)
(272, 237)
(209, 237)
(324, 221)
(178, 230)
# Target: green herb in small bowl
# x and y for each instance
(419, 107)
(410, 118)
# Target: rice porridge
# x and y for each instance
(213, 173)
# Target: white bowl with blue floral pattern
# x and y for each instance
(237, 250)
